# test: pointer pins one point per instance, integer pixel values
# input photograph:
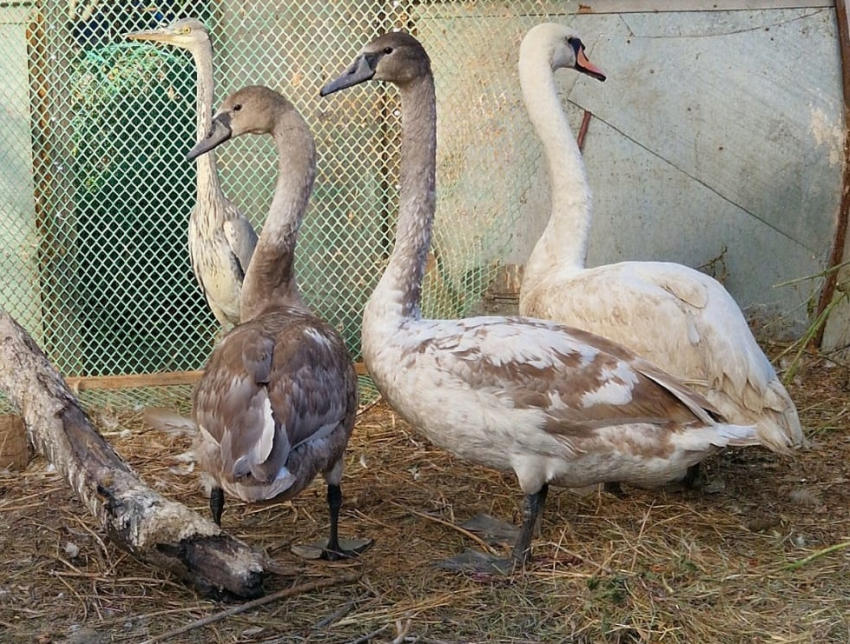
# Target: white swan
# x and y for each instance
(554, 405)
(221, 239)
(278, 398)
(674, 316)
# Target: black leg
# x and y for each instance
(217, 504)
(333, 550)
(691, 476)
(530, 514)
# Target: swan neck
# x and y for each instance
(563, 243)
(398, 293)
(270, 281)
(207, 172)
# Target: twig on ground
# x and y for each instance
(230, 612)
(815, 555)
(369, 636)
(449, 524)
(369, 406)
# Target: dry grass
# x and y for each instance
(715, 564)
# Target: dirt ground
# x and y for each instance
(757, 553)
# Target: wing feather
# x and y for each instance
(240, 235)
(272, 385)
(581, 381)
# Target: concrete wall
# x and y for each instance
(718, 136)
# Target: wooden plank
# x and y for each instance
(654, 6)
(14, 446)
(165, 379)
(838, 253)
(132, 381)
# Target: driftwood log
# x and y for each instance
(155, 530)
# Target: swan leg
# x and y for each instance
(334, 548)
(479, 562)
(531, 510)
(216, 504)
(691, 476)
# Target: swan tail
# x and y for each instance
(720, 435)
(736, 435)
(779, 428)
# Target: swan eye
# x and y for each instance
(576, 44)
(388, 50)
(237, 107)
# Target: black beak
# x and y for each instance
(360, 71)
(218, 134)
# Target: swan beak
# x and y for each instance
(218, 134)
(360, 71)
(158, 35)
(584, 65)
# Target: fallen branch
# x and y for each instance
(230, 612)
(155, 530)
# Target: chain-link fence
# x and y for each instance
(95, 191)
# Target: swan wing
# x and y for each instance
(270, 386)
(686, 323)
(579, 380)
(240, 235)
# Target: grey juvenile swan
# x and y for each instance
(672, 315)
(278, 398)
(555, 405)
(221, 239)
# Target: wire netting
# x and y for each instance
(95, 190)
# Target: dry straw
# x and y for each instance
(758, 554)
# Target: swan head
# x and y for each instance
(187, 33)
(396, 57)
(563, 47)
(251, 110)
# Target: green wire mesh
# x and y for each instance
(95, 190)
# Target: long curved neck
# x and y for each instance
(207, 181)
(270, 281)
(563, 244)
(398, 294)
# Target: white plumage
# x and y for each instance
(674, 316)
(554, 405)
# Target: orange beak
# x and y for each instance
(584, 65)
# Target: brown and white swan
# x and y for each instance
(221, 239)
(674, 316)
(277, 401)
(555, 405)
